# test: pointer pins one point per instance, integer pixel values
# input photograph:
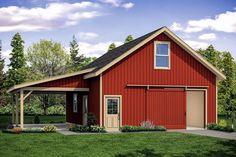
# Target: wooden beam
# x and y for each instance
(13, 111)
(22, 109)
(27, 94)
(17, 109)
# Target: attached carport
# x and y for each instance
(54, 85)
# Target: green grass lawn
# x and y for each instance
(6, 119)
(116, 145)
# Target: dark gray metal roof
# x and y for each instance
(117, 52)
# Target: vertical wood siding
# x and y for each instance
(93, 102)
(72, 117)
(167, 108)
(138, 68)
(70, 82)
(94, 97)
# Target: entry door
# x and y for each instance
(195, 109)
(112, 107)
(85, 109)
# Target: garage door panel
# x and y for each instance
(167, 108)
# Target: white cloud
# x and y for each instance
(87, 35)
(118, 3)
(96, 50)
(196, 44)
(225, 22)
(6, 56)
(208, 36)
(114, 3)
(54, 15)
(6, 53)
(128, 5)
(176, 26)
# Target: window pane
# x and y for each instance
(112, 106)
(162, 49)
(162, 61)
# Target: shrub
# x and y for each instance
(147, 124)
(84, 128)
(213, 126)
(71, 125)
(15, 130)
(91, 120)
(33, 130)
(223, 123)
(97, 129)
(49, 128)
(36, 119)
(129, 128)
(10, 126)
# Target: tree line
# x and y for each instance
(42, 59)
(224, 61)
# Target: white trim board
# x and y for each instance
(176, 39)
(155, 55)
(57, 89)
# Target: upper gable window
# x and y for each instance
(162, 55)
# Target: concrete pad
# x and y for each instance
(211, 133)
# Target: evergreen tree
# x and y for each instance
(128, 38)
(111, 47)
(225, 86)
(17, 67)
(76, 58)
(211, 55)
(2, 78)
(230, 103)
(225, 62)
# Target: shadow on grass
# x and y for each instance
(229, 150)
(144, 153)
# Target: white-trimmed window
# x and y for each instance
(161, 55)
(75, 102)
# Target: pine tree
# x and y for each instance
(17, 67)
(76, 58)
(111, 47)
(129, 38)
(211, 55)
(2, 78)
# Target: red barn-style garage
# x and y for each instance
(156, 77)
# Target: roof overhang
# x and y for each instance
(26, 86)
(172, 36)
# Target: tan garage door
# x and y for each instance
(195, 109)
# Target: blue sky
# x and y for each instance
(97, 23)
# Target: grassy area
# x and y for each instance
(117, 145)
(6, 119)
(228, 121)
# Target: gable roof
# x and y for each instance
(114, 56)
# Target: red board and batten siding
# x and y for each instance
(94, 97)
(69, 82)
(138, 68)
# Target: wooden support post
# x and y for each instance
(13, 114)
(22, 109)
(17, 109)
